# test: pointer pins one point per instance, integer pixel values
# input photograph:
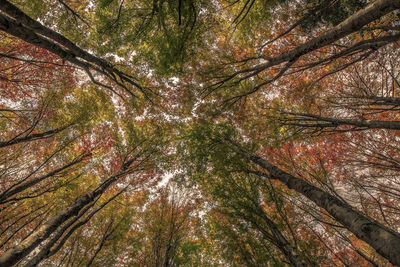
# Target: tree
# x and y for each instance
(166, 225)
(249, 73)
(365, 228)
(58, 166)
(241, 202)
(59, 223)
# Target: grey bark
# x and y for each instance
(384, 240)
(23, 186)
(32, 137)
(354, 23)
(315, 121)
(13, 255)
(19, 24)
(48, 250)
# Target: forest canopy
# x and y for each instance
(199, 133)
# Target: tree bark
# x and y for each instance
(13, 255)
(315, 121)
(372, 12)
(44, 250)
(354, 23)
(24, 20)
(48, 250)
(21, 187)
(384, 240)
(32, 137)
(19, 24)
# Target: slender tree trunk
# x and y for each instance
(383, 100)
(44, 250)
(105, 237)
(354, 23)
(19, 24)
(48, 250)
(35, 26)
(314, 121)
(372, 12)
(384, 240)
(23, 186)
(13, 255)
(32, 137)
(12, 27)
(283, 244)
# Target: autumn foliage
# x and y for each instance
(199, 133)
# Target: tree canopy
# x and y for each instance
(199, 133)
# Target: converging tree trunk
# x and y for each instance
(14, 255)
(66, 231)
(23, 185)
(384, 240)
(32, 137)
(19, 24)
(311, 121)
(352, 24)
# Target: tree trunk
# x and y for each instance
(354, 23)
(19, 187)
(22, 26)
(48, 250)
(32, 137)
(13, 255)
(372, 12)
(384, 240)
(314, 121)
(35, 26)
(45, 249)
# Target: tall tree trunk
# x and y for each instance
(44, 249)
(372, 12)
(47, 250)
(306, 120)
(384, 240)
(32, 137)
(35, 26)
(22, 26)
(106, 235)
(19, 187)
(354, 23)
(13, 255)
